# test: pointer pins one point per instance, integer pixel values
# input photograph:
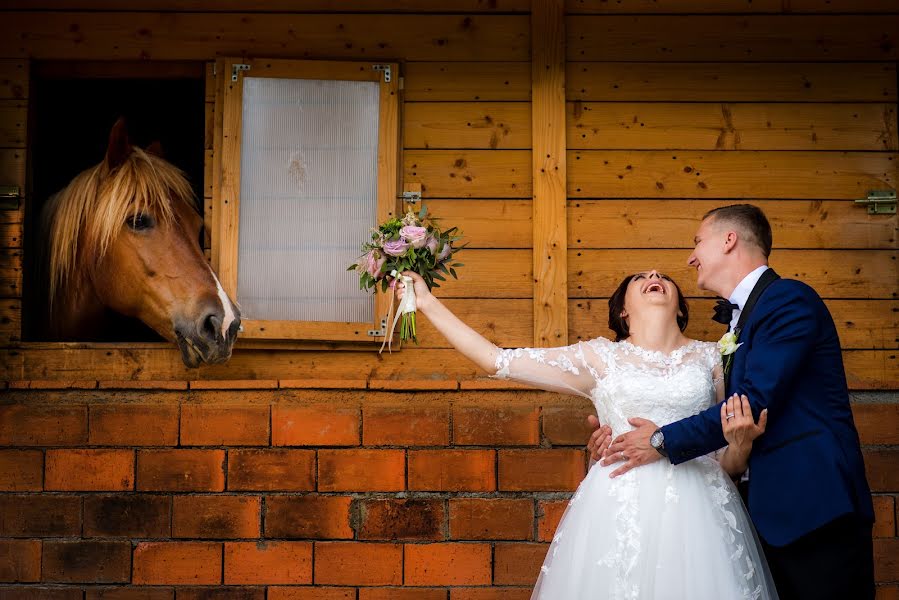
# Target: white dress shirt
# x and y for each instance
(741, 293)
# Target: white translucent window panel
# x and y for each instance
(308, 197)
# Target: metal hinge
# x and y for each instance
(880, 202)
(412, 197)
(386, 69)
(379, 332)
(237, 68)
(9, 197)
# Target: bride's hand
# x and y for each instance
(737, 423)
(422, 293)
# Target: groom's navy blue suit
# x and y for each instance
(806, 470)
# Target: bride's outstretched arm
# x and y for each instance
(740, 430)
(564, 370)
(463, 338)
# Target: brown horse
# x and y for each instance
(126, 236)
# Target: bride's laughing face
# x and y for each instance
(650, 289)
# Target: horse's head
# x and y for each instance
(126, 236)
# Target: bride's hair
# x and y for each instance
(618, 324)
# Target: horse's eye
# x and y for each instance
(140, 222)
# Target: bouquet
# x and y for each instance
(413, 243)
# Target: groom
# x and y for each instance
(808, 496)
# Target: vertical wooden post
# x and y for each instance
(549, 172)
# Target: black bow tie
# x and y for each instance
(724, 311)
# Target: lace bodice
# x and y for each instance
(621, 379)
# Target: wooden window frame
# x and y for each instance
(226, 194)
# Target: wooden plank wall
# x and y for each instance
(672, 108)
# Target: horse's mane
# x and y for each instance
(85, 218)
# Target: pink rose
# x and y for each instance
(432, 244)
(373, 262)
(445, 251)
(396, 248)
(417, 236)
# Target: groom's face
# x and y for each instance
(708, 257)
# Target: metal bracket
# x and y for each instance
(9, 197)
(880, 202)
(386, 69)
(379, 332)
(412, 197)
(236, 68)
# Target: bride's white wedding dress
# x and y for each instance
(659, 532)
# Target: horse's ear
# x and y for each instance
(119, 147)
(155, 148)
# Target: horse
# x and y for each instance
(125, 239)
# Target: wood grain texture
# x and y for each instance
(467, 81)
(475, 125)
(469, 173)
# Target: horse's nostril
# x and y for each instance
(212, 326)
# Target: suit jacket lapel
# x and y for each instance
(767, 278)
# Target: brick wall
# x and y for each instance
(313, 494)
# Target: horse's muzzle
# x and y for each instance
(205, 339)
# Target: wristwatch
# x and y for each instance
(657, 441)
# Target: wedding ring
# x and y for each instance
(730, 416)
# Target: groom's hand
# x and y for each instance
(633, 447)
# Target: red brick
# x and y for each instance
(181, 470)
(268, 562)
(315, 425)
(323, 384)
(518, 564)
(221, 593)
(410, 385)
(886, 560)
(400, 519)
(216, 517)
(308, 517)
(53, 384)
(447, 564)
(311, 593)
(491, 518)
(271, 470)
(89, 470)
(87, 561)
(491, 593)
(234, 384)
(40, 516)
(492, 425)
(882, 467)
(130, 593)
(884, 516)
(42, 425)
(203, 425)
(21, 470)
(401, 594)
(361, 470)
(138, 516)
(452, 470)
(177, 563)
(149, 384)
(550, 513)
(20, 561)
(133, 425)
(30, 592)
(541, 470)
(405, 426)
(358, 563)
(877, 424)
(567, 425)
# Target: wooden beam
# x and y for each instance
(549, 172)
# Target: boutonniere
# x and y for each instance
(727, 345)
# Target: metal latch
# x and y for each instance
(237, 68)
(412, 197)
(880, 202)
(9, 197)
(386, 69)
(379, 332)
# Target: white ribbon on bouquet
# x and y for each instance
(407, 305)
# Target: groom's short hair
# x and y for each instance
(749, 220)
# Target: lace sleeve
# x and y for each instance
(564, 370)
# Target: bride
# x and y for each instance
(661, 532)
